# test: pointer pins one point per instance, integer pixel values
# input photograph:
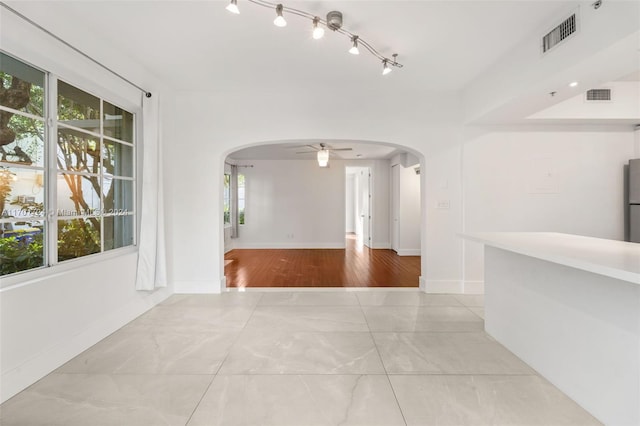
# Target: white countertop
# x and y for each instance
(616, 259)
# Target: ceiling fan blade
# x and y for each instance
(306, 152)
(340, 149)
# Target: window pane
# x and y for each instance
(118, 196)
(78, 108)
(78, 152)
(119, 159)
(227, 199)
(118, 123)
(21, 193)
(118, 231)
(23, 86)
(78, 237)
(22, 140)
(78, 195)
(21, 246)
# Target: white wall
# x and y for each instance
(296, 204)
(557, 180)
(409, 242)
(214, 124)
(293, 204)
(50, 316)
(350, 206)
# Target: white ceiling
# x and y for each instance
(198, 45)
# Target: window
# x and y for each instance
(66, 190)
(227, 199)
(241, 193)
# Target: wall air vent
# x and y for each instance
(559, 33)
(599, 95)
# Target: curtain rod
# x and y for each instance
(41, 28)
(239, 165)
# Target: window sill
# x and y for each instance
(36, 275)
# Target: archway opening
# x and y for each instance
(287, 215)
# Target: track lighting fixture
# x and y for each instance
(354, 49)
(233, 7)
(279, 21)
(332, 22)
(318, 31)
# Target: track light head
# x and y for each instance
(233, 7)
(279, 21)
(318, 31)
(385, 67)
(354, 49)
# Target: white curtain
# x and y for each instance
(234, 201)
(151, 272)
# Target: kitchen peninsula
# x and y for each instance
(569, 306)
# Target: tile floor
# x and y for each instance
(301, 359)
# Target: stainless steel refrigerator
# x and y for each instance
(633, 200)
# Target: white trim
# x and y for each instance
(473, 287)
(408, 252)
(41, 364)
(32, 276)
(197, 287)
(442, 286)
(337, 245)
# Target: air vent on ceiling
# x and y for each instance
(559, 33)
(599, 95)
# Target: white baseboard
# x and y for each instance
(474, 287)
(43, 363)
(197, 287)
(336, 245)
(408, 252)
(451, 286)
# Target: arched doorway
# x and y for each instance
(287, 226)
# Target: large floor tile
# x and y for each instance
(422, 318)
(405, 298)
(193, 318)
(477, 310)
(446, 353)
(263, 352)
(309, 298)
(298, 401)
(246, 299)
(155, 352)
(476, 300)
(308, 318)
(106, 400)
(486, 400)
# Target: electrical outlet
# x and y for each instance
(443, 205)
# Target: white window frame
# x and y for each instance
(50, 171)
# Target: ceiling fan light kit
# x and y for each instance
(323, 158)
(333, 22)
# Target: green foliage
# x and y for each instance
(17, 255)
(77, 238)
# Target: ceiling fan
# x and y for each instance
(322, 153)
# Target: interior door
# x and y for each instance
(395, 208)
